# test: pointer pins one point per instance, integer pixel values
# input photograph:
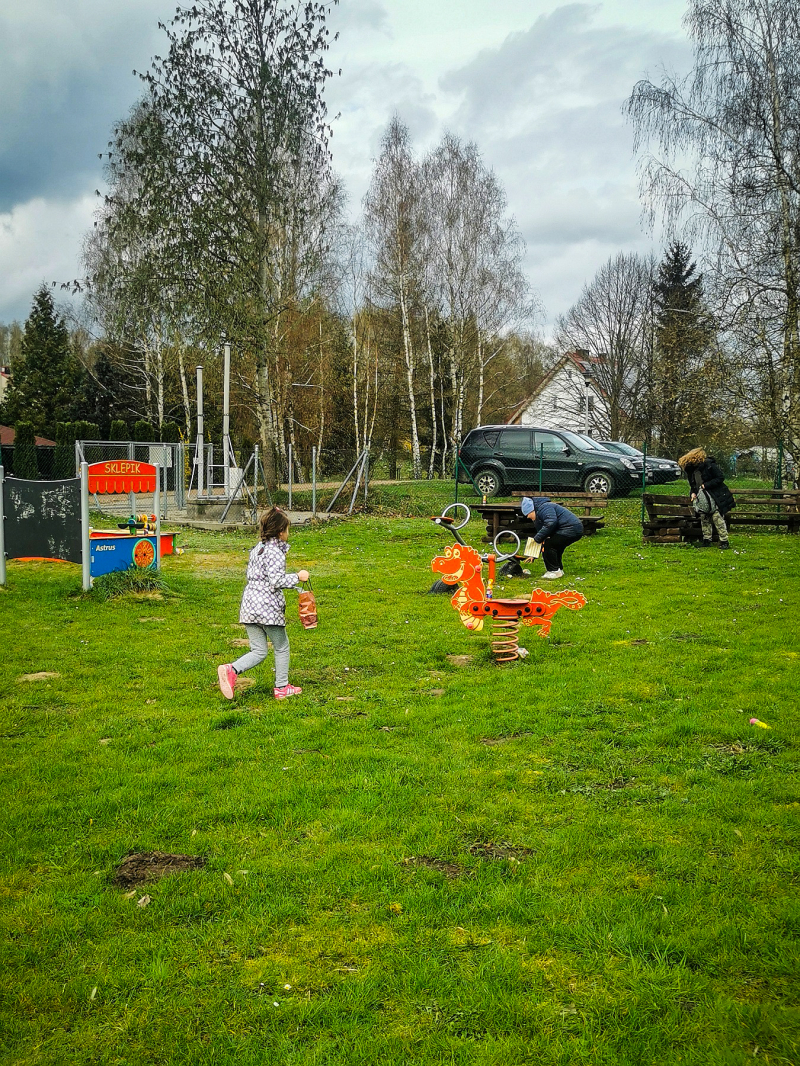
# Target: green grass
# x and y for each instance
(587, 857)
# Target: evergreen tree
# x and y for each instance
(46, 378)
(144, 432)
(681, 382)
(65, 450)
(25, 464)
(107, 396)
(170, 432)
(119, 430)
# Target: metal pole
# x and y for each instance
(290, 477)
(131, 495)
(644, 479)
(226, 419)
(157, 506)
(255, 480)
(2, 533)
(586, 406)
(198, 448)
(314, 481)
(86, 544)
(541, 462)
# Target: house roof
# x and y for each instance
(8, 434)
(580, 359)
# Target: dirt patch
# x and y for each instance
(450, 870)
(503, 850)
(42, 675)
(460, 660)
(239, 642)
(153, 865)
(491, 742)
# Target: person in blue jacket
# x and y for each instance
(555, 528)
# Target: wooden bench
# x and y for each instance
(671, 519)
(500, 516)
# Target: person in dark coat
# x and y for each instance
(711, 497)
(555, 528)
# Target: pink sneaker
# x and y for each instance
(227, 680)
(287, 690)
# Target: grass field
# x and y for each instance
(588, 857)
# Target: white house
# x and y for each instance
(568, 397)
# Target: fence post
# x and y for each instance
(131, 496)
(314, 481)
(2, 533)
(644, 481)
(157, 505)
(778, 480)
(541, 461)
(86, 543)
(255, 481)
(290, 466)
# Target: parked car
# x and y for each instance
(659, 471)
(502, 458)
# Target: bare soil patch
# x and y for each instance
(42, 675)
(152, 866)
(450, 870)
(503, 850)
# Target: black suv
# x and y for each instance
(502, 458)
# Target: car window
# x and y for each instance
(622, 448)
(584, 444)
(490, 437)
(550, 443)
(515, 442)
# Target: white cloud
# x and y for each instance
(38, 243)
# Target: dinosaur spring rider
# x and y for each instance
(461, 565)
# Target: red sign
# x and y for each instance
(122, 475)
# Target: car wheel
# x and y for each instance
(598, 483)
(488, 482)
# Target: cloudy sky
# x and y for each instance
(537, 85)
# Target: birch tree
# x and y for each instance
(393, 226)
(613, 318)
(234, 175)
(720, 158)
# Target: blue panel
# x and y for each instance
(115, 553)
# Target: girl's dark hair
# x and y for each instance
(272, 524)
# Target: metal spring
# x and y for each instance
(505, 639)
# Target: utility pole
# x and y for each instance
(199, 451)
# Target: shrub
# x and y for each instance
(64, 462)
(144, 432)
(25, 464)
(119, 430)
(170, 432)
(127, 582)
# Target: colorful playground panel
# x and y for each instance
(111, 551)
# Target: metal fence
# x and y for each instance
(170, 458)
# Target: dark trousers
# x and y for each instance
(553, 548)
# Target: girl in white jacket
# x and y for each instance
(263, 609)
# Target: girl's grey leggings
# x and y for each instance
(258, 636)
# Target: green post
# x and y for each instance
(644, 481)
(541, 460)
(778, 480)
